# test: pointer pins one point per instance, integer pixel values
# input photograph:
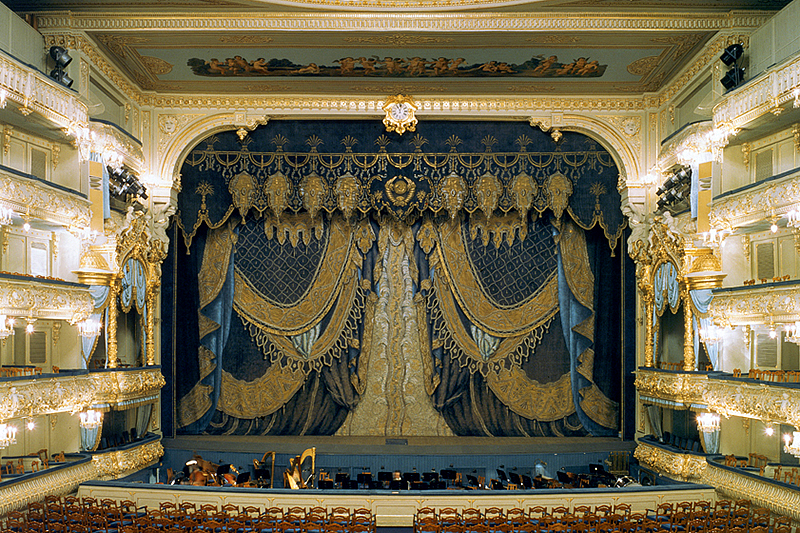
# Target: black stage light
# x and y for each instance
(732, 54)
(734, 77)
(60, 56)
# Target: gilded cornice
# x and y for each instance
(770, 303)
(33, 92)
(42, 396)
(764, 401)
(775, 198)
(764, 94)
(682, 466)
(315, 21)
(126, 387)
(40, 201)
(116, 464)
(40, 298)
(60, 482)
(762, 492)
(682, 389)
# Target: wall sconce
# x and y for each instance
(793, 333)
(6, 326)
(8, 435)
(791, 443)
(708, 422)
(91, 419)
(713, 237)
(796, 94)
(769, 429)
(4, 96)
(30, 424)
(793, 218)
(29, 329)
(5, 216)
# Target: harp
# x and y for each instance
(293, 476)
(261, 467)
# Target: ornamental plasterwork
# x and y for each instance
(682, 466)
(770, 403)
(116, 464)
(170, 124)
(31, 197)
(760, 491)
(40, 298)
(35, 397)
(685, 389)
(108, 136)
(32, 91)
(630, 127)
(16, 496)
(760, 96)
(754, 205)
(125, 386)
(757, 305)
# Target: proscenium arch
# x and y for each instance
(624, 155)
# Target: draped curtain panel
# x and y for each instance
(517, 289)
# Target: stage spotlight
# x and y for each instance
(732, 54)
(60, 56)
(734, 77)
(61, 77)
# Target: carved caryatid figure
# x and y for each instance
(559, 189)
(453, 191)
(243, 189)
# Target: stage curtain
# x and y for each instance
(281, 326)
(509, 309)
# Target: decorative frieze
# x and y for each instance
(118, 463)
(59, 482)
(30, 197)
(682, 466)
(767, 93)
(679, 389)
(775, 198)
(33, 92)
(766, 303)
(126, 386)
(25, 296)
(764, 401)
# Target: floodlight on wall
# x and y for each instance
(732, 54)
(62, 59)
(732, 78)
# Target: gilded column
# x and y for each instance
(649, 361)
(688, 333)
(112, 325)
(152, 289)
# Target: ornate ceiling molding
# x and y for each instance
(470, 21)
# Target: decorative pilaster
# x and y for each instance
(111, 334)
(688, 333)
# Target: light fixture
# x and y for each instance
(732, 53)
(732, 78)
(91, 419)
(5, 215)
(793, 218)
(8, 435)
(62, 59)
(29, 329)
(89, 328)
(769, 430)
(707, 422)
(791, 443)
(796, 94)
(730, 57)
(793, 333)
(3, 97)
(710, 334)
(31, 424)
(713, 237)
(6, 326)
(773, 333)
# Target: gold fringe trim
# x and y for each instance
(599, 407)
(430, 378)
(545, 402)
(194, 405)
(216, 261)
(359, 379)
(261, 397)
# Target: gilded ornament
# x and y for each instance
(314, 191)
(453, 191)
(400, 190)
(347, 190)
(243, 188)
(487, 192)
(524, 189)
(276, 189)
(559, 189)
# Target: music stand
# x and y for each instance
(515, 479)
(411, 476)
(384, 478)
(527, 482)
(397, 484)
(364, 478)
(427, 477)
(341, 477)
(350, 484)
(243, 478)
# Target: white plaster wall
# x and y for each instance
(19, 39)
(775, 41)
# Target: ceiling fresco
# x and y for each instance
(485, 47)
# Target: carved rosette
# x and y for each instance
(683, 466)
(116, 464)
(685, 389)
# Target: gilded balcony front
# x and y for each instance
(30, 196)
(678, 389)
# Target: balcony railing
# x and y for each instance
(74, 391)
(36, 297)
(764, 303)
(675, 389)
(671, 462)
(30, 196)
(124, 460)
